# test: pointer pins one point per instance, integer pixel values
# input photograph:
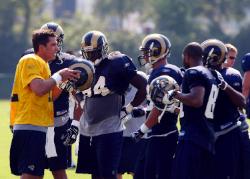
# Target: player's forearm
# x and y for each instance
(190, 99)
(236, 97)
(40, 87)
(140, 84)
(152, 119)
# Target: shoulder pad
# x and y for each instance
(65, 56)
(115, 55)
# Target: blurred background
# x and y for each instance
(125, 23)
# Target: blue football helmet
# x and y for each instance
(153, 48)
(214, 53)
(94, 46)
(58, 31)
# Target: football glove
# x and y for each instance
(221, 83)
(70, 136)
(137, 136)
(136, 112)
(67, 86)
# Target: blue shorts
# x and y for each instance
(159, 156)
(100, 155)
(27, 152)
(140, 163)
(245, 155)
(130, 155)
(227, 155)
(192, 162)
(59, 162)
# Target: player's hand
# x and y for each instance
(169, 97)
(70, 136)
(137, 136)
(68, 74)
(136, 112)
(221, 83)
(244, 125)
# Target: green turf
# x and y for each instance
(5, 141)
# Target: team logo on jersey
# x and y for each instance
(31, 167)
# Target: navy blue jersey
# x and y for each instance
(116, 73)
(63, 60)
(169, 120)
(245, 65)
(196, 123)
(104, 99)
(28, 51)
(226, 112)
(245, 62)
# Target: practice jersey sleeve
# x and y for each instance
(194, 78)
(30, 69)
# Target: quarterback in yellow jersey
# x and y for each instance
(31, 66)
(32, 107)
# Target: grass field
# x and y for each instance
(5, 141)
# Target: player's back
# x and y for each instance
(195, 122)
(226, 113)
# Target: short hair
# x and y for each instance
(231, 47)
(41, 37)
(194, 50)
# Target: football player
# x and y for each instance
(193, 157)
(101, 129)
(32, 107)
(64, 130)
(245, 64)
(226, 113)
(162, 140)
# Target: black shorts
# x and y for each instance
(192, 162)
(227, 155)
(159, 156)
(100, 155)
(27, 152)
(59, 162)
(130, 155)
(245, 155)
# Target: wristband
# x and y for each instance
(75, 123)
(57, 77)
(144, 129)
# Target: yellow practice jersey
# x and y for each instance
(26, 106)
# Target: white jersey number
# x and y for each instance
(100, 87)
(209, 113)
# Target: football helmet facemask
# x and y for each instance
(153, 48)
(214, 53)
(94, 46)
(161, 86)
(58, 31)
